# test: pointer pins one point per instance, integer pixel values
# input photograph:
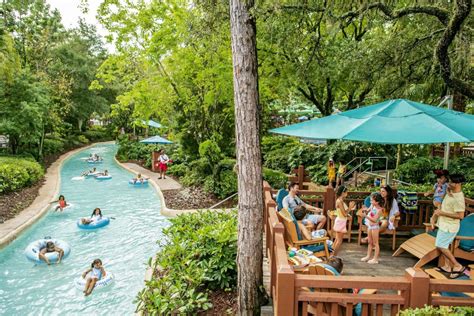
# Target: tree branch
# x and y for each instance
(463, 8)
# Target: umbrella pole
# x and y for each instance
(399, 155)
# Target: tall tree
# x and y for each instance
(247, 127)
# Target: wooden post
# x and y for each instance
(301, 177)
(278, 227)
(355, 178)
(285, 280)
(329, 199)
(154, 158)
(419, 287)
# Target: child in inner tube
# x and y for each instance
(96, 215)
(61, 203)
(97, 272)
(93, 171)
(50, 247)
(139, 178)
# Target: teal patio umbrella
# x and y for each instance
(151, 123)
(156, 140)
(397, 121)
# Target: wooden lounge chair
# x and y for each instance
(322, 308)
(293, 240)
(463, 245)
(440, 276)
(423, 246)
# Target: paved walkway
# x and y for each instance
(164, 184)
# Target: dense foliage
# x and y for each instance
(438, 311)
(45, 74)
(17, 173)
(198, 254)
(348, 55)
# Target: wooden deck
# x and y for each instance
(351, 253)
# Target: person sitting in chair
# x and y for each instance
(292, 200)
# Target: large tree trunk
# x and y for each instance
(247, 120)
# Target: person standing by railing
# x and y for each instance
(449, 217)
(331, 173)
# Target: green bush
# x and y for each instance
(222, 184)
(276, 179)
(178, 170)
(438, 311)
(17, 173)
(97, 133)
(418, 170)
(195, 257)
(53, 146)
(82, 139)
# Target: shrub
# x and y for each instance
(16, 173)
(438, 311)
(52, 146)
(195, 258)
(222, 184)
(82, 139)
(276, 179)
(418, 170)
(97, 133)
(178, 170)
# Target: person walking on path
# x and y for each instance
(163, 166)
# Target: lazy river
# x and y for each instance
(124, 246)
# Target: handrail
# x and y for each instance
(226, 199)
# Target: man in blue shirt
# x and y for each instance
(292, 200)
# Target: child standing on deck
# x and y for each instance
(372, 220)
(342, 214)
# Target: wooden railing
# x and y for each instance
(294, 293)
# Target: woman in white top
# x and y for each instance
(164, 160)
(96, 215)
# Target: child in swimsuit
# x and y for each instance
(61, 203)
(372, 220)
(96, 215)
(439, 191)
(95, 273)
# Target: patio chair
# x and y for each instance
(321, 308)
(463, 245)
(423, 246)
(392, 232)
(440, 276)
(294, 238)
(281, 194)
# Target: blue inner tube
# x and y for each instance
(105, 281)
(104, 177)
(132, 182)
(33, 249)
(104, 221)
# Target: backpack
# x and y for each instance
(408, 201)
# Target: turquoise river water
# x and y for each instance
(124, 245)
